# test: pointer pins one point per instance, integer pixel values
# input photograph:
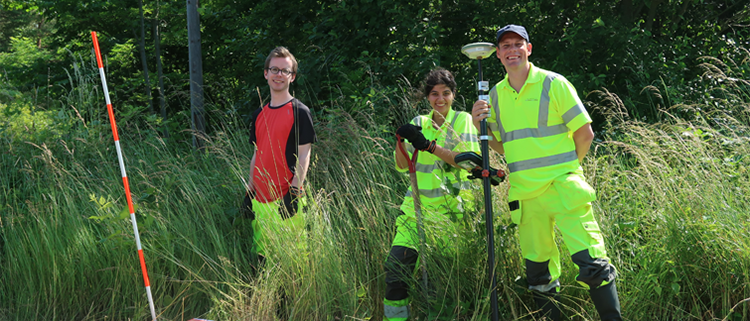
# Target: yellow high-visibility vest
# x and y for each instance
(535, 126)
(443, 188)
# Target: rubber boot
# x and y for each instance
(547, 303)
(396, 310)
(606, 302)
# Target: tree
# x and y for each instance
(159, 73)
(143, 59)
(196, 75)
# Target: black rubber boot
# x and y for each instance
(606, 302)
(547, 303)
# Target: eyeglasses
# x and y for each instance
(277, 70)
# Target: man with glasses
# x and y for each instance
(538, 121)
(282, 133)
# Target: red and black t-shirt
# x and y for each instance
(273, 130)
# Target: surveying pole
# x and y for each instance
(479, 51)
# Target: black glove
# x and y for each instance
(414, 135)
(290, 202)
(247, 206)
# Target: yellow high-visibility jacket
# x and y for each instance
(535, 126)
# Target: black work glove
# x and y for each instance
(247, 206)
(414, 135)
(290, 202)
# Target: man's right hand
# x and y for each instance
(479, 111)
(289, 202)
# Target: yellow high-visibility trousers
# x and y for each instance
(567, 203)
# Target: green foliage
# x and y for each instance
(351, 48)
(23, 65)
(21, 123)
(15, 21)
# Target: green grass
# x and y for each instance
(673, 206)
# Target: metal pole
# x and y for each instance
(478, 51)
(124, 175)
(483, 86)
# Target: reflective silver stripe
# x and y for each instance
(542, 161)
(462, 185)
(468, 137)
(492, 126)
(417, 121)
(544, 99)
(427, 168)
(542, 130)
(450, 142)
(395, 312)
(546, 287)
(409, 147)
(431, 193)
(496, 109)
(535, 132)
(572, 113)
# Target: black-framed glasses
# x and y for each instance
(277, 70)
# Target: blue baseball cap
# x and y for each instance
(520, 30)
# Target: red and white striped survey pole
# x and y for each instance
(124, 175)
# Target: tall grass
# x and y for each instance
(674, 200)
(673, 206)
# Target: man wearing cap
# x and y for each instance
(539, 123)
